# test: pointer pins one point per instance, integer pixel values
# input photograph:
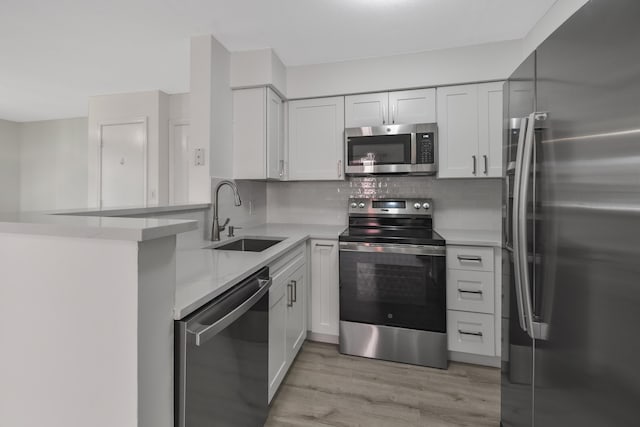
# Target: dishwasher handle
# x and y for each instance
(199, 333)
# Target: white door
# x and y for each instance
(275, 136)
(412, 106)
(370, 109)
(316, 139)
(296, 313)
(458, 132)
(179, 162)
(325, 297)
(490, 128)
(123, 164)
(278, 300)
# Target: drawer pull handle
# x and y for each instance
(470, 292)
(475, 334)
(322, 245)
(469, 258)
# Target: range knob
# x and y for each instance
(354, 205)
(361, 205)
(417, 205)
(426, 205)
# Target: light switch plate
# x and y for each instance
(199, 156)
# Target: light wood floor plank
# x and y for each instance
(326, 388)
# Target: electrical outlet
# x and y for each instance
(250, 207)
(199, 156)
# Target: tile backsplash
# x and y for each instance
(458, 203)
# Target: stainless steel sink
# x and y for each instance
(248, 245)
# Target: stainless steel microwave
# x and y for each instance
(403, 149)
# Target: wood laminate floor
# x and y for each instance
(325, 388)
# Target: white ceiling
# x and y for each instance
(56, 53)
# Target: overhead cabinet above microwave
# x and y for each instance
(470, 131)
(383, 108)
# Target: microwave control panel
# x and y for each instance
(425, 148)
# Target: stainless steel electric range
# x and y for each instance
(393, 283)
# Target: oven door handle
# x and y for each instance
(432, 250)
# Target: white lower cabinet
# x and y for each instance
(325, 289)
(296, 313)
(287, 313)
(473, 302)
(471, 332)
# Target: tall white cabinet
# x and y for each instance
(316, 133)
(399, 107)
(470, 131)
(325, 290)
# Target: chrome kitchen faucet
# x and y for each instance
(217, 228)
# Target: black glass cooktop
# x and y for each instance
(392, 235)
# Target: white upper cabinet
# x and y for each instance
(316, 139)
(470, 131)
(412, 106)
(369, 109)
(401, 107)
(490, 128)
(275, 136)
(258, 134)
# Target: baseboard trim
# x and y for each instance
(474, 359)
(325, 338)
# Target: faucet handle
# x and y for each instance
(224, 225)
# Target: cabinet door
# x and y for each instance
(249, 138)
(277, 336)
(370, 109)
(458, 132)
(275, 136)
(490, 129)
(316, 139)
(412, 106)
(296, 312)
(324, 287)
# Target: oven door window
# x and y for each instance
(407, 291)
(379, 150)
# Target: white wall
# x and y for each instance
(154, 106)
(258, 68)
(53, 164)
(459, 203)
(550, 21)
(9, 166)
(211, 114)
(493, 61)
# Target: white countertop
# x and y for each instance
(460, 236)
(204, 274)
(101, 223)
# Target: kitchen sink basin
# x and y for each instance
(248, 245)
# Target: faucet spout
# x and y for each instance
(216, 228)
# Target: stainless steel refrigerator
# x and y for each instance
(571, 297)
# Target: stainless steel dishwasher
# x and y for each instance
(222, 359)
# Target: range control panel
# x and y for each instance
(391, 206)
(425, 148)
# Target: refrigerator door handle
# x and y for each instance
(517, 272)
(535, 330)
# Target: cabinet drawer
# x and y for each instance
(470, 258)
(471, 332)
(471, 291)
(276, 267)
